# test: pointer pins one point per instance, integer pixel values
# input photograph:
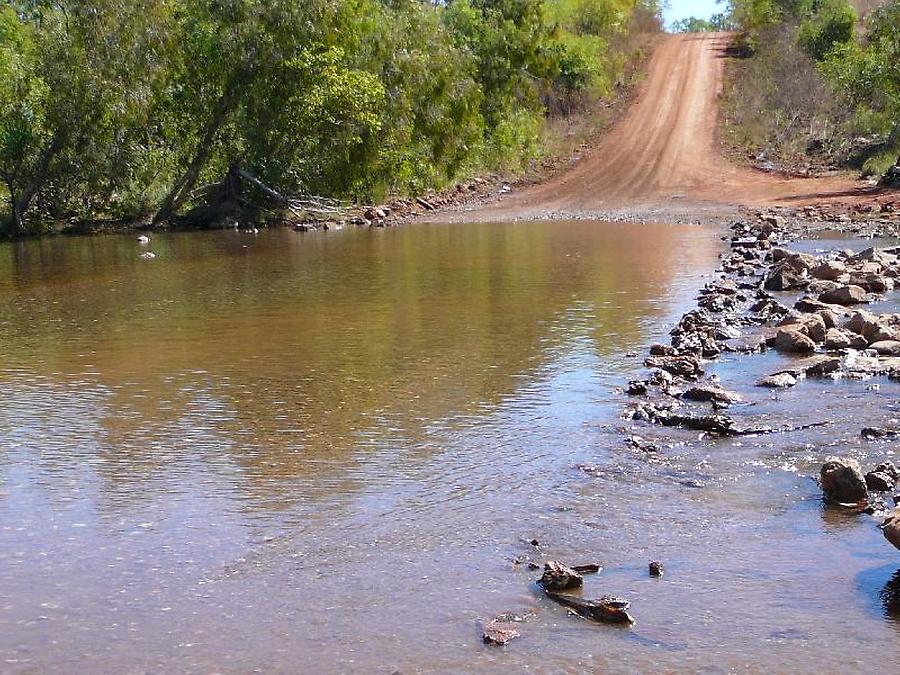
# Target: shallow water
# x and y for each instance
(322, 452)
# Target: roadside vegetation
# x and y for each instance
(817, 85)
(116, 110)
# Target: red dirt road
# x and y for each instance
(664, 156)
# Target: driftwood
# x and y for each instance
(241, 195)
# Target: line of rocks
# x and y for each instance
(740, 312)
(826, 330)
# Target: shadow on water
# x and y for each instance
(880, 586)
(890, 597)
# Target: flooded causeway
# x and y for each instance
(325, 452)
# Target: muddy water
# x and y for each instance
(322, 452)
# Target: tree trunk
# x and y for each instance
(185, 184)
(22, 203)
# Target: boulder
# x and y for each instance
(845, 295)
(807, 304)
(793, 341)
(891, 527)
(559, 577)
(843, 481)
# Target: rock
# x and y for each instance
(781, 380)
(862, 323)
(871, 433)
(685, 366)
(769, 307)
(711, 392)
(823, 365)
(656, 568)
(589, 568)
(878, 481)
(875, 255)
(716, 424)
(607, 609)
(845, 295)
(559, 577)
(499, 633)
(815, 327)
(843, 481)
(820, 286)
(773, 221)
(829, 318)
(831, 270)
(641, 444)
(637, 388)
(835, 338)
(891, 527)
(889, 470)
(793, 341)
(872, 282)
(807, 304)
(663, 350)
(886, 347)
(784, 277)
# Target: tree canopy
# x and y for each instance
(115, 109)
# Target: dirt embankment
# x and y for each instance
(663, 160)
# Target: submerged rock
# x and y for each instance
(608, 609)
(560, 577)
(499, 632)
(870, 433)
(843, 481)
(781, 380)
(656, 568)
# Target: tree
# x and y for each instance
(78, 74)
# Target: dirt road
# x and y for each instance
(664, 157)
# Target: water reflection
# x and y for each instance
(292, 346)
(890, 596)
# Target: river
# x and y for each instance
(323, 453)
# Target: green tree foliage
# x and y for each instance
(858, 68)
(124, 108)
(869, 74)
(832, 24)
(717, 22)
